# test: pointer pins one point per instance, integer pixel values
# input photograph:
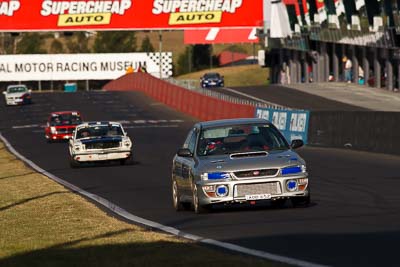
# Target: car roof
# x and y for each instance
(231, 122)
(91, 123)
(64, 112)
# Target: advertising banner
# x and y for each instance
(106, 66)
(221, 36)
(66, 15)
(293, 124)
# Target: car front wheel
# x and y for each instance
(178, 206)
(196, 203)
(73, 163)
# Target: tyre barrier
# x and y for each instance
(189, 102)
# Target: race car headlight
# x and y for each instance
(291, 185)
(126, 143)
(222, 190)
(293, 170)
(215, 176)
(78, 146)
(53, 130)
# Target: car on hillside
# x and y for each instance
(17, 94)
(61, 125)
(238, 161)
(99, 141)
(212, 79)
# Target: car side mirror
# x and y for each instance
(297, 143)
(30, 91)
(4, 92)
(184, 152)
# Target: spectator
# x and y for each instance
(347, 69)
(284, 74)
(360, 75)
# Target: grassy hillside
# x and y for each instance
(246, 75)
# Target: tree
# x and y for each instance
(184, 62)
(146, 45)
(201, 57)
(115, 42)
(236, 48)
(78, 43)
(29, 43)
(195, 58)
(56, 47)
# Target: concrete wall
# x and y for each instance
(189, 102)
(363, 130)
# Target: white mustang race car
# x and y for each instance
(17, 95)
(99, 141)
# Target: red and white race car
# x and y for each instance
(17, 94)
(61, 124)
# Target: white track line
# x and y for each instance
(135, 219)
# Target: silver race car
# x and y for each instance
(238, 161)
(99, 141)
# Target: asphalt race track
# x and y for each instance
(354, 219)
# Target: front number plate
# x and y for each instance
(258, 197)
(103, 156)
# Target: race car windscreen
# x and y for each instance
(211, 76)
(240, 139)
(65, 119)
(17, 89)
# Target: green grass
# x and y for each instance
(44, 224)
(247, 75)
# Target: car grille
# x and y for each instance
(102, 145)
(256, 173)
(65, 130)
(260, 188)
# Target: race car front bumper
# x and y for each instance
(115, 155)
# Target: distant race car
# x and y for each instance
(61, 125)
(99, 141)
(17, 94)
(212, 79)
(238, 161)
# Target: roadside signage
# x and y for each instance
(67, 15)
(105, 66)
(221, 36)
(293, 124)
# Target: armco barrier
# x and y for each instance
(361, 130)
(192, 103)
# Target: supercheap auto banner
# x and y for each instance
(62, 15)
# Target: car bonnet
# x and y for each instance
(274, 159)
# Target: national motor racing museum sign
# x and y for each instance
(105, 66)
(57, 15)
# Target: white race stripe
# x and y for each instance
(212, 34)
(252, 35)
(135, 219)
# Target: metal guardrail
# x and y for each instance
(193, 85)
